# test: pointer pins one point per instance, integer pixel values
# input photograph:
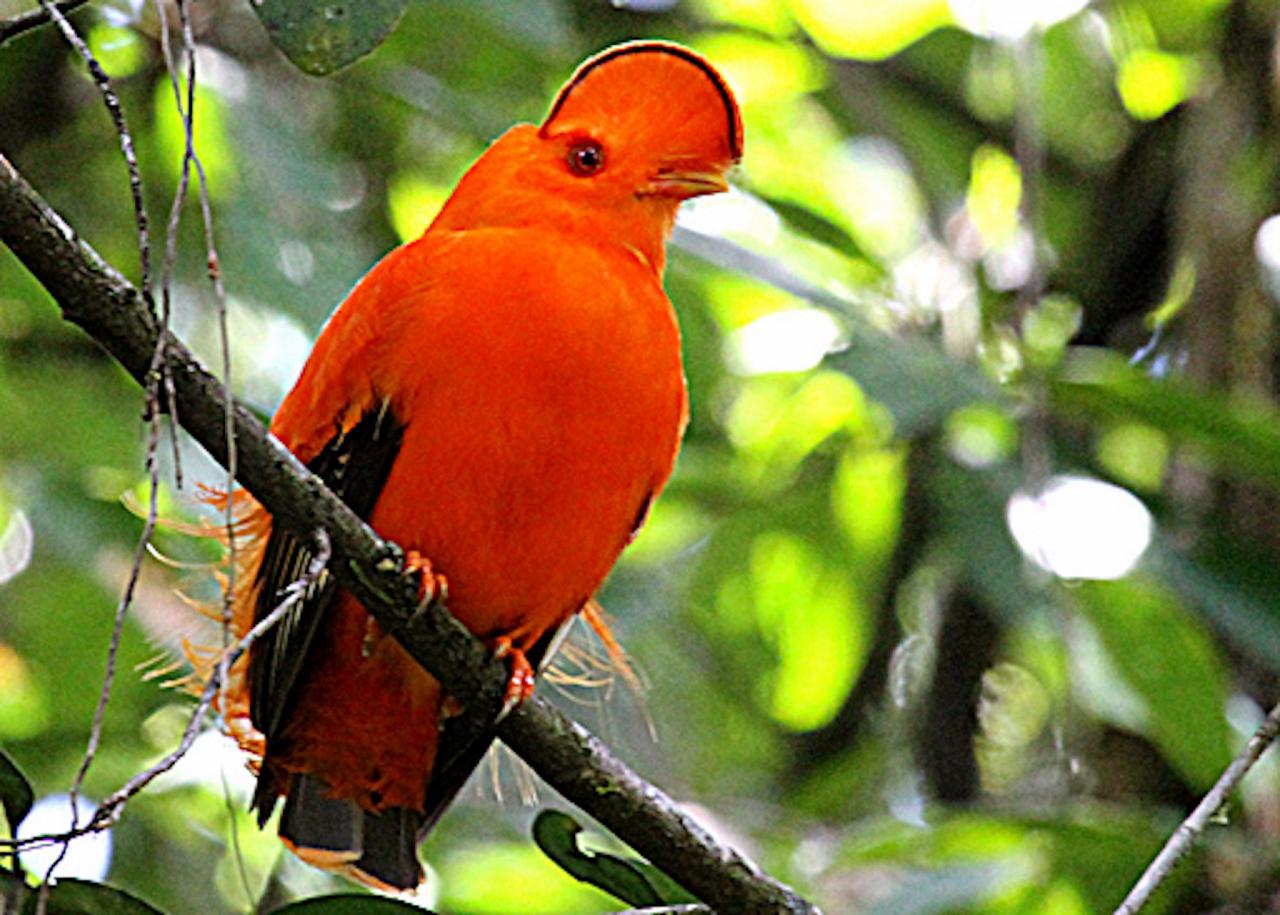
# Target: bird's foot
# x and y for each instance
(451, 707)
(430, 584)
(520, 684)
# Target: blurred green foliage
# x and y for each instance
(957, 229)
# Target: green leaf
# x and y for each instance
(80, 897)
(16, 796)
(634, 882)
(963, 862)
(321, 36)
(969, 511)
(941, 890)
(817, 227)
(1241, 436)
(1230, 584)
(1171, 662)
(13, 891)
(349, 904)
(919, 384)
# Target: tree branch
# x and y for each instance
(25, 22)
(1190, 829)
(93, 295)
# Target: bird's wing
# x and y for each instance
(355, 465)
(464, 741)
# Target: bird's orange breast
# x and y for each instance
(541, 388)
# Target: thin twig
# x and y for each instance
(104, 696)
(11, 28)
(295, 592)
(171, 235)
(55, 14)
(108, 811)
(1027, 53)
(190, 158)
(1190, 829)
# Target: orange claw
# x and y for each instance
(520, 684)
(430, 584)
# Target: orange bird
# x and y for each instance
(503, 397)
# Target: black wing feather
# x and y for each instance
(355, 465)
(464, 740)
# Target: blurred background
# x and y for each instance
(966, 584)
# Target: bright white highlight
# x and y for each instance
(1266, 244)
(15, 546)
(785, 341)
(296, 262)
(1080, 528)
(270, 350)
(1012, 19)
(212, 761)
(735, 215)
(88, 856)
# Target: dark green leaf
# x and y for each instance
(969, 508)
(671, 892)
(1171, 662)
(349, 904)
(16, 795)
(557, 835)
(817, 227)
(321, 36)
(80, 897)
(1232, 586)
(919, 384)
(1242, 436)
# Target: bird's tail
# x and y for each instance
(250, 528)
(376, 849)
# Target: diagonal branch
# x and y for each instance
(93, 295)
(1190, 829)
(25, 22)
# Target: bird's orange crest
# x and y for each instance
(654, 89)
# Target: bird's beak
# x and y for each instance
(685, 183)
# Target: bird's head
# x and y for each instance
(636, 130)
(644, 119)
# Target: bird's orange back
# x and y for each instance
(503, 397)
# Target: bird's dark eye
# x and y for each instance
(586, 158)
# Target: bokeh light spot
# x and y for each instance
(88, 857)
(16, 544)
(1012, 19)
(869, 29)
(785, 341)
(1151, 82)
(1080, 528)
